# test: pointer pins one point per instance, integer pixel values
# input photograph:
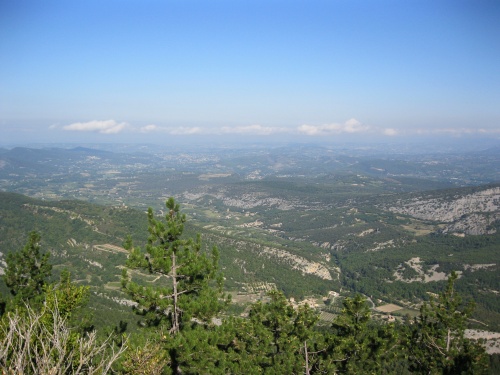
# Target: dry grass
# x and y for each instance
(418, 230)
(389, 308)
(110, 248)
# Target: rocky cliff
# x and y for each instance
(474, 213)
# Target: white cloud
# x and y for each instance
(149, 128)
(194, 130)
(253, 129)
(391, 132)
(354, 126)
(180, 130)
(185, 130)
(489, 131)
(103, 127)
(351, 126)
(456, 132)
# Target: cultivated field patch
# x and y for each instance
(389, 308)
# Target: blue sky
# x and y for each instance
(124, 70)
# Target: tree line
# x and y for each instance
(44, 328)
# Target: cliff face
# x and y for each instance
(473, 214)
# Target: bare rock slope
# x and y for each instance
(474, 213)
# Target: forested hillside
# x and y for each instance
(186, 327)
(390, 258)
(319, 226)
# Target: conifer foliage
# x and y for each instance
(276, 338)
(187, 293)
(357, 345)
(437, 342)
(286, 332)
(28, 270)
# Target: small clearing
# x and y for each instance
(419, 230)
(110, 248)
(492, 344)
(475, 267)
(364, 233)
(426, 277)
(208, 176)
(389, 308)
(382, 245)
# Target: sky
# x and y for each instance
(161, 71)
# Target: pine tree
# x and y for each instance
(188, 293)
(275, 339)
(27, 271)
(274, 322)
(357, 345)
(437, 343)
